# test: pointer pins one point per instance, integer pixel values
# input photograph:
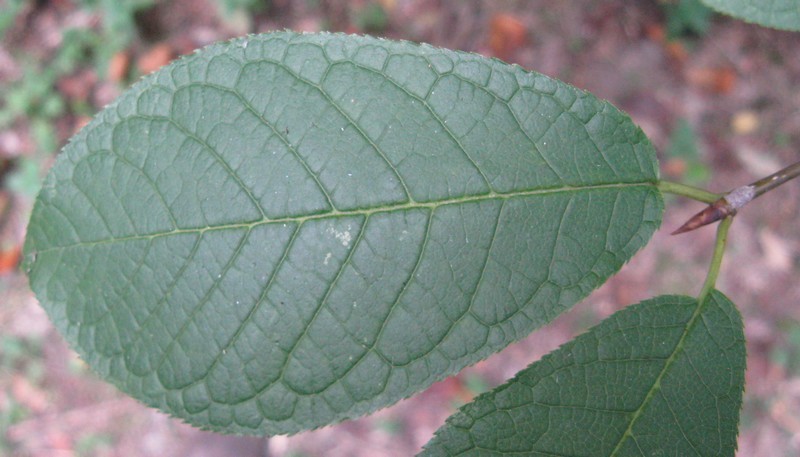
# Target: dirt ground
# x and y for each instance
(721, 105)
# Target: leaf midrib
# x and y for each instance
(656, 387)
(432, 205)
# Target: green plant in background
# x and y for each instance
(34, 95)
(683, 146)
(23, 357)
(238, 14)
(287, 230)
(35, 98)
(9, 14)
(118, 26)
(371, 18)
(787, 354)
(93, 444)
(230, 7)
(686, 17)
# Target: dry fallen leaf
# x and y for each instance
(676, 50)
(744, 122)
(28, 395)
(118, 66)
(388, 5)
(10, 248)
(655, 32)
(158, 56)
(77, 86)
(778, 252)
(80, 122)
(506, 35)
(9, 259)
(674, 167)
(720, 80)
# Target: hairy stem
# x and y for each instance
(687, 191)
(716, 260)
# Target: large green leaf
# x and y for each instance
(780, 14)
(664, 377)
(285, 230)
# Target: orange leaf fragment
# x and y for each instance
(506, 35)
(118, 66)
(675, 167)
(29, 395)
(158, 56)
(720, 80)
(9, 259)
(656, 32)
(745, 122)
(676, 50)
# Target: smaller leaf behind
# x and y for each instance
(663, 377)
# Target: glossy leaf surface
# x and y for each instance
(664, 377)
(779, 14)
(286, 230)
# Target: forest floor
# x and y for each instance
(718, 98)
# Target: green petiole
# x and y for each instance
(683, 190)
(716, 260)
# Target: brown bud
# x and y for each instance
(712, 213)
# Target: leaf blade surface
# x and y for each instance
(285, 230)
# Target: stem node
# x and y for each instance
(734, 200)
